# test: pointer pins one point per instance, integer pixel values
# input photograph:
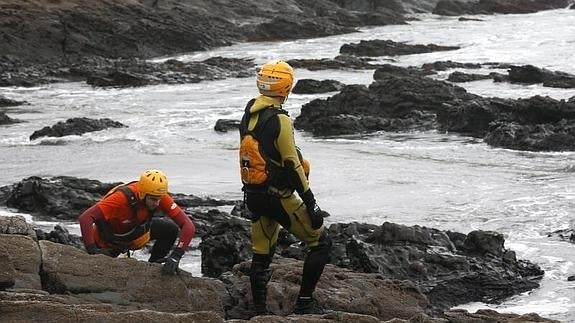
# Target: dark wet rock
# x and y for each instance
(459, 77)
(380, 47)
(456, 8)
(309, 86)
(445, 65)
(105, 72)
(226, 243)
(539, 137)
(403, 99)
(450, 268)
(5, 119)
(337, 63)
(225, 125)
(395, 101)
(415, 272)
(5, 102)
(469, 19)
(204, 220)
(281, 28)
(565, 234)
(62, 236)
(44, 30)
(486, 315)
(76, 126)
(530, 74)
(385, 69)
(118, 79)
(133, 73)
(62, 197)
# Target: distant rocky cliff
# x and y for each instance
(48, 30)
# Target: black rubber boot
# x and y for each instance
(259, 277)
(314, 264)
(313, 267)
(304, 305)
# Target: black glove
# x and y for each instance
(172, 262)
(316, 214)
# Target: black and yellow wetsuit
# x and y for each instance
(274, 202)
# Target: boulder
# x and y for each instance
(76, 126)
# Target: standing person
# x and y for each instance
(123, 220)
(271, 170)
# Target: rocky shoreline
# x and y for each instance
(376, 273)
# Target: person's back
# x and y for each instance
(272, 170)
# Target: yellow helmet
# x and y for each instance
(275, 78)
(153, 182)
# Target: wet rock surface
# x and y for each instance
(379, 47)
(59, 280)
(132, 72)
(444, 265)
(309, 86)
(76, 126)
(456, 8)
(429, 270)
(403, 99)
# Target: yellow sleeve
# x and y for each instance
(285, 144)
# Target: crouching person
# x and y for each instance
(123, 220)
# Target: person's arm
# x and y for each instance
(87, 221)
(187, 229)
(187, 232)
(286, 147)
(291, 160)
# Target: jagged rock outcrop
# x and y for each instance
(43, 281)
(449, 268)
(133, 72)
(380, 47)
(482, 7)
(404, 99)
(309, 86)
(225, 125)
(76, 126)
(6, 102)
(148, 28)
(5, 119)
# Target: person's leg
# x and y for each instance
(317, 257)
(164, 232)
(264, 236)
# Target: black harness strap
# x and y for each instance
(136, 232)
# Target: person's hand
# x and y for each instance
(172, 262)
(316, 216)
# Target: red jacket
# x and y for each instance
(115, 210)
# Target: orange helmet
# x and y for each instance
(153, 182)
(275, 78)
